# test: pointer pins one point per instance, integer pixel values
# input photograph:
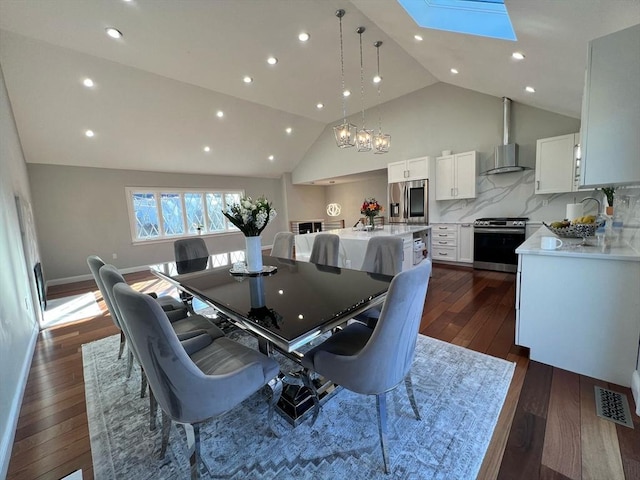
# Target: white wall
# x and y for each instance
(351, 195)
(432, 119)
(18, 320)
(81, 211)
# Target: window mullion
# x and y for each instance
(185, 228)
(158, 196)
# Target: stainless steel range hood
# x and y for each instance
(506, 156)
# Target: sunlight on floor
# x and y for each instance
(70, 309)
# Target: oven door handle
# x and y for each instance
(519, 231)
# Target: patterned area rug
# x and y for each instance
(460, 393)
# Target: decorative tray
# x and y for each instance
(243, 272)
(579, 230)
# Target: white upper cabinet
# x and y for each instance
(556, 163)
(611, 110)
(456, 176)
(414, 169)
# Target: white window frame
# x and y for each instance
(157, 192)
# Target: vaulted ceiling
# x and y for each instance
(157, 90)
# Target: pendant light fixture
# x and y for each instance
(381, 141)
(345, 133)
(364, 137)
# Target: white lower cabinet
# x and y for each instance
(444, 242)
(465, 243)
(580, 314)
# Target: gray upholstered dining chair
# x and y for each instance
(196, 388)
(191, 331)
(383, 255)
(325, 249)
(282, 245)
(173, 307)
(375, 361)
(191, 255)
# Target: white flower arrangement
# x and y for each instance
(251, 217)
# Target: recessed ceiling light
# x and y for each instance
(219, 114)
(207, 149)
(87, 82)
(346, 93)
(89, 133)
(271, 157)
(454, 71)
(247, 79)
(304, 36)
(272, 60)
(377, 79)
(301, 316)
(530, 89)
(517, 55)
(418, 37)
(281, 292)
(288, 130)
(113, 32)
(320, 106)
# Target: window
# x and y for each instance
(171, 213)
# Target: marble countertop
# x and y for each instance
(572, 248)
(385, 231)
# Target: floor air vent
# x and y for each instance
(613, 406)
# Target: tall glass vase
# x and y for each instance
(253, 254)
(371, 221)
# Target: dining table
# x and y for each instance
(285, 306)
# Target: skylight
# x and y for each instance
(485, 18)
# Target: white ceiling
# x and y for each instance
(159, 87)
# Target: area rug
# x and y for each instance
(460, 394)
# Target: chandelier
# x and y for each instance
(364, 136)
(345, 133)
(381, 141)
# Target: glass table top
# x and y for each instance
(289, 307)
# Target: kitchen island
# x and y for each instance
(353, 243)
(578, 308)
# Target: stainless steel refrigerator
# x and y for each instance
(409, 202)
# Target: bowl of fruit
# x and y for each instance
(580, 227)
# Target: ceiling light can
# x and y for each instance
(272, 60)
(87, 82)
(304, 37)
(320, 106)
(530, 89)
(518, 55)
(89, 133)
(113, 32)
(219, 114)
(454, 71)
(247, 79)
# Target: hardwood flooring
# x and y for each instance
(547, 429)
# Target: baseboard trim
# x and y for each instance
(88, 276)
(635, 389)
(8, 435)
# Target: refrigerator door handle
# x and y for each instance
(405, 194)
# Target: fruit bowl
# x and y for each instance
(577, 230)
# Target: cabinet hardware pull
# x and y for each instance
(443, 254)
(538, 184)
(442, 243)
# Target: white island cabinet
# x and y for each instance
(578, 308)
(353, 243)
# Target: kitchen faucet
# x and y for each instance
(597, 201)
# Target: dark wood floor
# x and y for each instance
(547, 429)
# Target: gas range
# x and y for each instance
(501, 222)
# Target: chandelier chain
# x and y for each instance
(344, 100)
(360, 31)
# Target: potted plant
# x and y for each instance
(609, 193)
